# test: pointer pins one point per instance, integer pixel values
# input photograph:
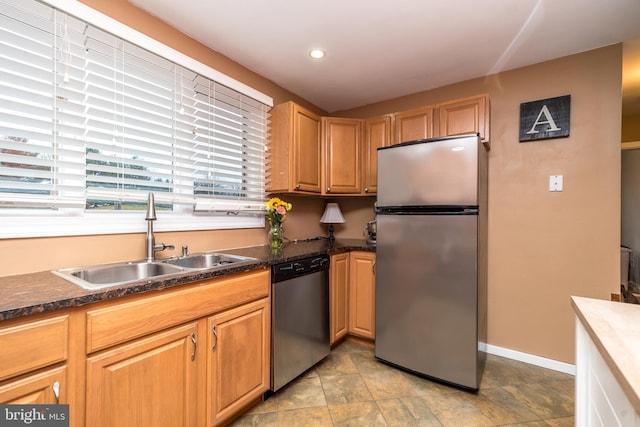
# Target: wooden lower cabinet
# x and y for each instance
(238, 360)
(33, 359)
(194, 355)
(352, 295)
(338, 295)
(151, 381)
(362, 294)
(36, 389)
(189, 356)
(161, 379)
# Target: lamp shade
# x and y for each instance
(332, 214)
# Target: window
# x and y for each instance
(91, 121)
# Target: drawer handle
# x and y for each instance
(56, 391)
(215, 334)
(193, 340)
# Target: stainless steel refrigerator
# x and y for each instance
(431, 262)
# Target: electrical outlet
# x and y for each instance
(555, 183)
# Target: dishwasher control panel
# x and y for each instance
(289, 270)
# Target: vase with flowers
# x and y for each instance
(276, 213)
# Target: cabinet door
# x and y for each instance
(469, 115)
(342, 145)
(238, 359)
(295, 150)
(338, 296)
(149, 382)
(307, 151)
(362, 294)
(377, 134)
(414, 124)
(36, 389)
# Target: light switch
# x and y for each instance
(555, 183)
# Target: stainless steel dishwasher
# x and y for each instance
(299, 317)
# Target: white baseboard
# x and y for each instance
(543, 362)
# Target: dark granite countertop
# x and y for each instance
(25, 294)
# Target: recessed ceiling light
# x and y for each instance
(317, 53)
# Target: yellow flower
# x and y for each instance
(277, 210)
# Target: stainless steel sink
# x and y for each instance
(205, 260)
(102, 276)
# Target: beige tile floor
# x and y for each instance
(351, 388)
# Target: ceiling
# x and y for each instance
(378, 50)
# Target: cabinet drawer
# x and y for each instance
(36, 389)
(31, 345)
(120, 321)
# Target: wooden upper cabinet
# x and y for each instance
(463, 116)
(295, 150)
(342, 147)
(338, 156)
(414, 124)
(378, 133)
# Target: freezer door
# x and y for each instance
(441, 172)
(426, 295)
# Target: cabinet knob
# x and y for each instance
(366, 190)
(297, 187)
(328, 189)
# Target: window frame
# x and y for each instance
(79, 221)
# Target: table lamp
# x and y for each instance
(332, 215)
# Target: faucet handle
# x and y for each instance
(185, 250)
(161, 247)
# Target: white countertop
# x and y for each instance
(614, 328)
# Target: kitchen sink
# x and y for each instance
(103, 276)
(205, 260)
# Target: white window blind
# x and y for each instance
(40, 165)
(229, 144)
(91, 120)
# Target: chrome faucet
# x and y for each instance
(151, 246)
